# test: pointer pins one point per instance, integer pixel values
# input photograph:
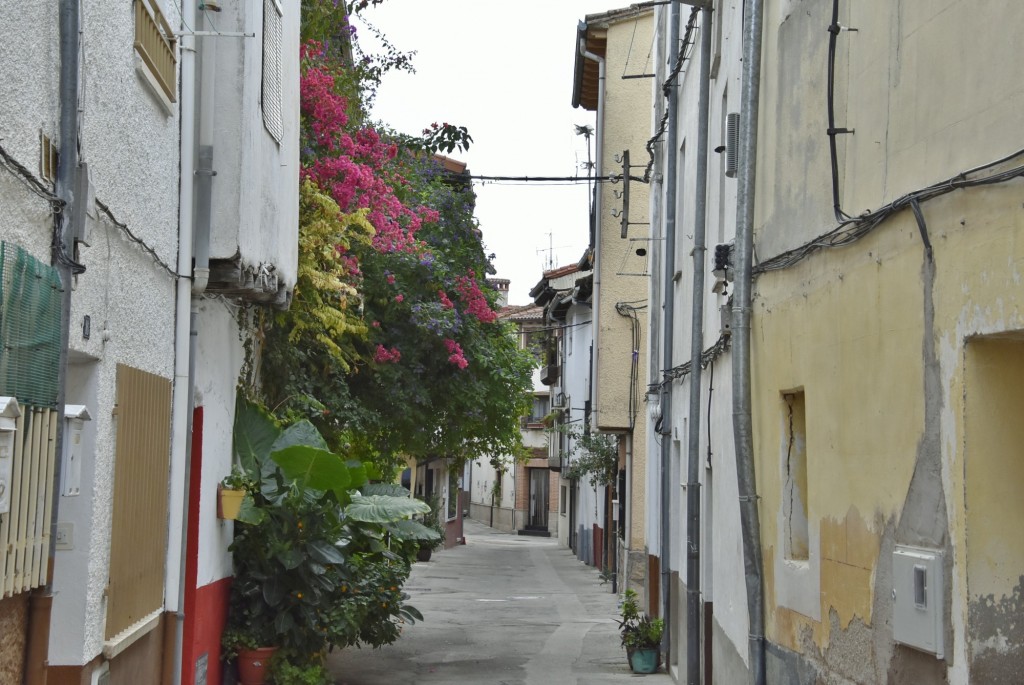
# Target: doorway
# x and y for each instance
(539, 497)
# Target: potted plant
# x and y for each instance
(432, 521)
(641, 635)
(319, 554)
(230, 493)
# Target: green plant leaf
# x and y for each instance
(413, 530)
(411, 614)
(301, 433)
(314, 468)
(384, 508)
(357, 471)
(273, 591)
(392, 489)
(253, 435)
(325, 553)
(249, 513)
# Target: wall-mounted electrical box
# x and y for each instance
(9, 413)
(917, 592)
(75, 416)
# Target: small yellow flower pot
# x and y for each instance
(229, 502)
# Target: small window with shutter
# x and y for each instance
(273, 39)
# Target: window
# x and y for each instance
(794, 471)
(156, 46)
(540, 408)
(273, 39)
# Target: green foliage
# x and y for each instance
(433, 521)
(638, 630)
(312, 569)
(594, 456)
(285, 673)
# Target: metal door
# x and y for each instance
(539, 480)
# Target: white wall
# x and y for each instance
(721, 544)
(255, 192)
(130, 144)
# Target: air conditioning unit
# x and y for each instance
(558, 401)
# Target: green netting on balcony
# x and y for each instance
(30, 307)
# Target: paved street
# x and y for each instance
(501, 610)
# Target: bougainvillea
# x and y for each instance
(392, 346)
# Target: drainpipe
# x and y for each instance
(181, 398)
(41, 601)
(753, 566)
(693, 583)
(671, 162)
(628, 523)
(599, 173)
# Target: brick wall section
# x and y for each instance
(522, 487)
(553, 494)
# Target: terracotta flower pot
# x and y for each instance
(254, 665)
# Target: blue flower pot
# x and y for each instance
(644, 661)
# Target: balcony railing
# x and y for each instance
(155, 43)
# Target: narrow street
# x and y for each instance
(501, 610)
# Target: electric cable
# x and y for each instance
(855, 228)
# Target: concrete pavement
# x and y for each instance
(500, 610)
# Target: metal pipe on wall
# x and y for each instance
(693, 485)
(181, 398)
(753, 571)
(671, 162)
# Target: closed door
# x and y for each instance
(539, 479)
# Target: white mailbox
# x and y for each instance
(917, 592)
(9, 413)
(75, 416)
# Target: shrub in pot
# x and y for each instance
(641, 635)
(320, 555)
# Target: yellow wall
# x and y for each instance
(931, 89)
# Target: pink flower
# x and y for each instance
(399, 297)
(473, 300)
(384, 356)
(455, 355)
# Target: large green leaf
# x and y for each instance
(393, 489)
(254, 433)
(325, 552)
(384, 508)
(413, 530)
(314, 468)
(250, 513)
(301, 433)
(357, 470)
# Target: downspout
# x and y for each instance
(671, 162)
(63, 245)
(628, 523)
(693, 485)
(599, 173)
(181, 399)
(753, 566)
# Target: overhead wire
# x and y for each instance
(684, 54)
(855, 228)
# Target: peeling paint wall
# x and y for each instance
(907, 343)
(994, 399)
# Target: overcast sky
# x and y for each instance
(504, 71)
